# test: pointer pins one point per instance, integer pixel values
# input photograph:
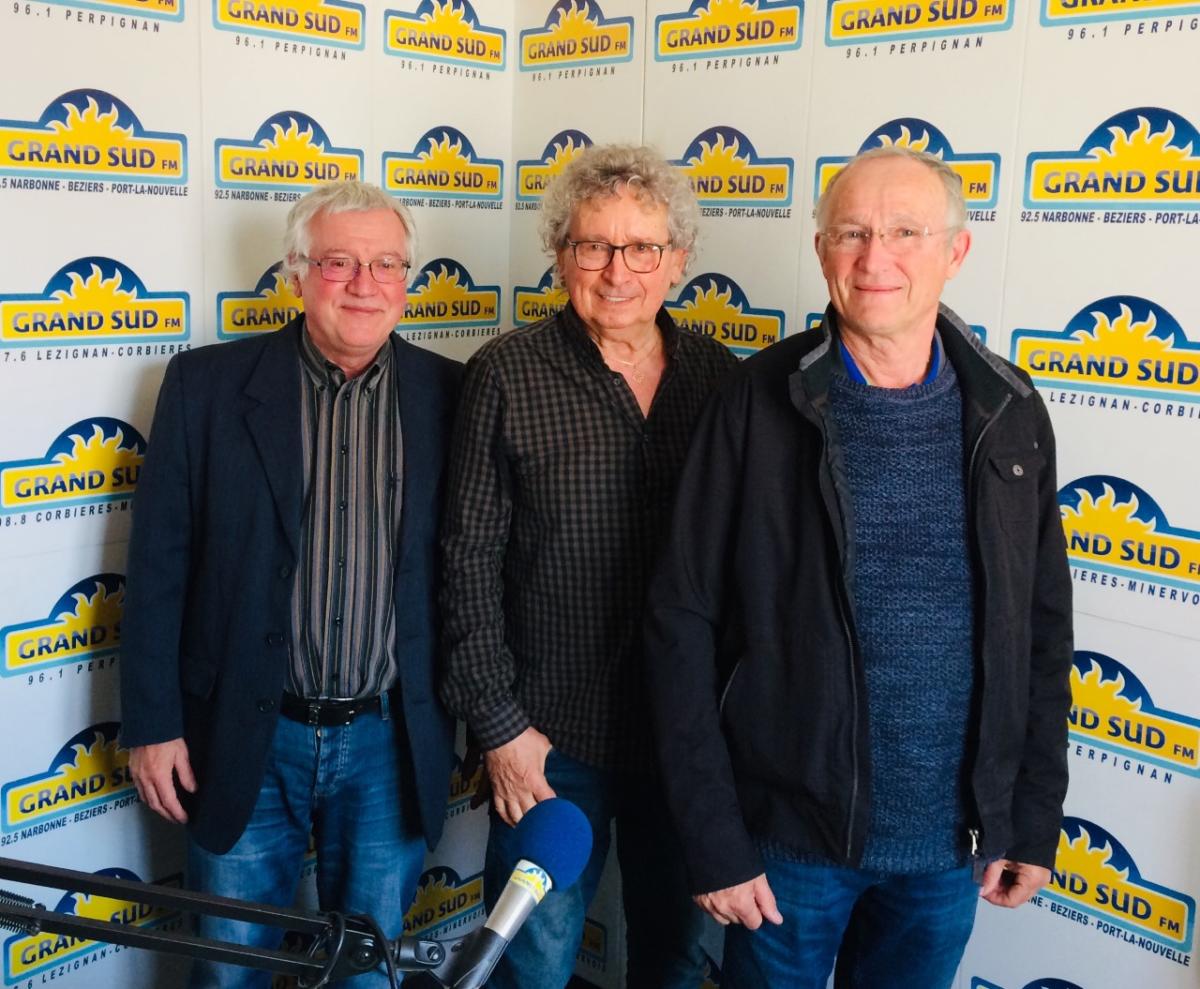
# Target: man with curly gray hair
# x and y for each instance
(563, 463)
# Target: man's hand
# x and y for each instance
(155, 769)
(1009, 884)
(748, 903)
(517, 771)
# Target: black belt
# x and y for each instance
(325, 713)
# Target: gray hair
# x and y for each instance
(956, 206)
(343, 196)
(604, 170)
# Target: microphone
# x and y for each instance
(553, 842)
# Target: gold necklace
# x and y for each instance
(635, 371)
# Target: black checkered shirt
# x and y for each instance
(558, 494)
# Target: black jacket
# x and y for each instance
(216, 526)
(756, 679)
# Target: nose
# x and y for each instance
(363, 282)
(876, 253)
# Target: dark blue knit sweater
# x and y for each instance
(912, 593)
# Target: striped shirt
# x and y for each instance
(343, 610)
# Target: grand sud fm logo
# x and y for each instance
(534, 174)
(532, 304)
(93, 300)
(462, 787)
(88, 772)
(443, 165)
(443, 295)
(1115, 527)
(714, 305)
(335, 23)
(93, 460)
(576, 33)
(289, 151)
(729, 27)
(445, 31)
(272, 304)
(979, 171)
(724, 169)
(978, 983)
(1112, 709)
(850, 22)
(1146, 158)
(84, 624)
(1094, 873)
(1121, 344)
(163, 10)
(90, 134)
(1057, 12)
(444, 902)
(27, 956)
(593, 946)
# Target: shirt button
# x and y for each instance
(285, 572)
(341, 506)
(1018, 470)
(341, 562)
(266, 705)
(337, 620)
(274, 639)
(345, 449)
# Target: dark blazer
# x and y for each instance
(206, 635)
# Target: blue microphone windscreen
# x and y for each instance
(556, 835)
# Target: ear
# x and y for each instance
(960, 246)
(294, 279)
(679, 260)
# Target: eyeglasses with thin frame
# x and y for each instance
(900, 238)
(387, 270)
(596, 255)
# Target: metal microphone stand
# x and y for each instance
(342, 946)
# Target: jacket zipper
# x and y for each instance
(974, 834)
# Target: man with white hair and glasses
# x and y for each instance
(859, 636)
(280, 622)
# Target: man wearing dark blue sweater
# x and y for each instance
(860, 632)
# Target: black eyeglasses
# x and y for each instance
(596, 255)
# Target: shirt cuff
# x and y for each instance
(498, 725)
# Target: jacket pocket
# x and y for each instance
(197, 678)
(1017, 495)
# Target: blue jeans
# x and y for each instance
(663, 925)
(346, 786)
(894, 932)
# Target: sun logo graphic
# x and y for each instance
(725, 170)
(90, 461)
(1144, 158)
(593, 948)
(1111, 708)
(978, 983)
(1121, 344)
(271, 305)
(93, 300)
(444, 902)
(88, 772)
(729, 27)
(1114, 526)
(289, 151)
(979, 171)
(445, 31)
(26, 956)
(1093, 872)
(444, 295)
(1055, 12)
(541, 301)
(163, 10)
(462, 787)
(714, 305)
(576, 32)
(88, 133)
(83, 624)
(851, 22)
(333, 23)
(443, 165)
(533, 175)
